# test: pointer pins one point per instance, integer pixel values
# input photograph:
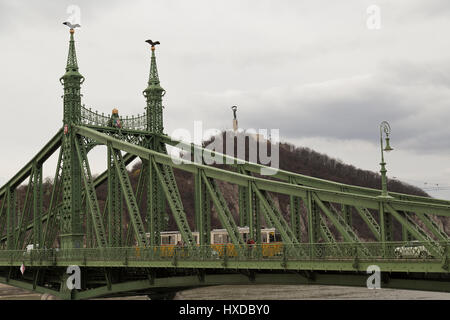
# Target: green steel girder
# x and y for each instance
(313, 219)
(433, 227)
(344, 224)
(157, 174)
(2, 219)
(2, 209)
(225, 215)
(387, 225)
(299, 178)
(156, 204)
(143, 181)
(328, 236)
(51, 225)
(253, 210)
(10, 219)
(97, 182)
(114, 205)
(295, 204)
(91, 195)
(37, 205)
(141, 138)
(339, 222)
(153, 212)
(70, 219)
(434, 248)
(369, 202)
(88, 227)
(29, 286)
(259, 278)
(133, 208)
(373, 225)
(268, 218)
(167, 180)
(334, 218)
(202, 209)
(275, 216)
(419, 229)
(45, 153)
(20, 231)
(161, 147)
(321, 264)
(347, 214)
(244, 215)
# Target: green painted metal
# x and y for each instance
(11, 219)
(153, 213)
(166, 178)
(20, 231)
(114, 204)
(130, 199)
(71, 231)
(154, 93)
(198, 256)
(433, 227)
(51, 226)
(37, 205)
(276, 217)
(313, 219)
(243, 202)
(91, 196)
(202, 209)
(370, 221)
(225, 215)
(112, 261)
(417, 232)
(295, 204)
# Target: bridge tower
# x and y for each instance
(156, 201)
(154, 93)
(71, 233)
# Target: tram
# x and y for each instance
(271, 244)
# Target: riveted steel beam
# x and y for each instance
(167, 180)
(130, 199)
(91, 198)
(225, 215)
(299, 178)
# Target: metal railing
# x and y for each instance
(90, 117)
(229, 252)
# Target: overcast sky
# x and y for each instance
(316, 70)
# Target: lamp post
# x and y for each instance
(384, 126)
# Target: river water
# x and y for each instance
(268, 292)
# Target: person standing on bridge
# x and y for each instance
(250, 244)
(115, 121)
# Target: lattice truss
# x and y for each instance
(318, 214)
(318, 222)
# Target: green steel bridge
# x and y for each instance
(116, 258)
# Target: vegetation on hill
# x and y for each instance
(291, 158)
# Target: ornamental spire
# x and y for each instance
(72, 81)
(153, 77)
(72, 64)
(154, 93)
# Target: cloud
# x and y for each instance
(412, 97)
(311, 69)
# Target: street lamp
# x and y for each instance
(384, 126)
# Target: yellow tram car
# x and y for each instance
(271, 244)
